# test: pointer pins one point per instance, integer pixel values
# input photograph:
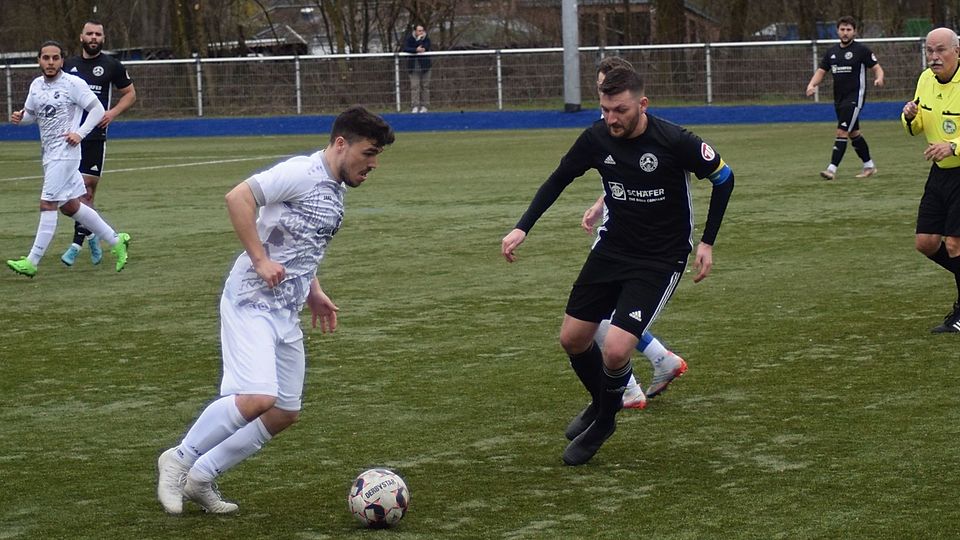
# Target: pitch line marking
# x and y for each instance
(154, 167)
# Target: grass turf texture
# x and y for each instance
(817, 404)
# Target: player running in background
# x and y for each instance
(848, 61)
(102, 73)
(55, 102)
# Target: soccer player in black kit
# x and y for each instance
(848, 61)
(642, 249)
(102, 73)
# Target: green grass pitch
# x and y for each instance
(817, 404)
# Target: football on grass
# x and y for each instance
(378, 498)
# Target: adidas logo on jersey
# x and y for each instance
(609, 160)
(73, 70)
(94, 168)
(638, 315)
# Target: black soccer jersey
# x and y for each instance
(849, 68)
(646, 188)
(101, 73)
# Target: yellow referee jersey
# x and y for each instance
(938, 115)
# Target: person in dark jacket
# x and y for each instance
(418, 66)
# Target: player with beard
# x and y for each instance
(102, 73)
(848, 61)
(641, 253)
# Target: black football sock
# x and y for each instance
(839, 147)
(860, 145)
(951, 264)
(79, 233)
(588, 366)
(614, 382)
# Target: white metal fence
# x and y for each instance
(694, 74)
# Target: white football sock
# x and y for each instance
(45, 230)
(89, 218)
(216, 423)
(244, 443)
(655, 350)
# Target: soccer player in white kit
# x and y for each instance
(55, 102)
(284, 217)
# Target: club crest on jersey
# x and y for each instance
(949, 126)
(617, 191)
(848, 55)
(648, 162)
(98, 71)
(707, 152)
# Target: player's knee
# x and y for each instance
(953, 245)
(574, 343)
(616, 355)
(928, 244)
(253, 405)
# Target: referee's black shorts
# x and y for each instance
(91, 156)
(635, 293)
(939, 211)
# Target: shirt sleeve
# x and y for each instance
(286, 181)
(121, 78)
(914, 126)
(572, 166)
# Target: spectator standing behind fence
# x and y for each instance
(848, 61)
(418, 66)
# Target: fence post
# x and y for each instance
(199, 87)
(6, 68)
(499, 82)
(396, 78)
(709, 76)
(816, 65)
(296, 69)
(923, 55)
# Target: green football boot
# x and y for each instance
(120, 250)
(22, 266)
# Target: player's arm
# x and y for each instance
(242, 208)
(815, 81)
(722, 180)
(321, 307)
(572, 166)
(128, 96)
(591, 215)
(877, 75)
(23, 117)
(94, 114)
(910, 117)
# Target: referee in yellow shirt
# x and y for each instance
(935, 112)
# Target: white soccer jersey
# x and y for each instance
(301, 208)
(58, 106)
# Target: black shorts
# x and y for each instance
(939, 211)
(91, 156)
(634, 293)
(848, 115)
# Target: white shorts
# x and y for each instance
(262, 353)
(62, 181)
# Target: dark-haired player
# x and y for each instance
(641, 253)
(102, 73)
(848, 61)
(284, 217)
